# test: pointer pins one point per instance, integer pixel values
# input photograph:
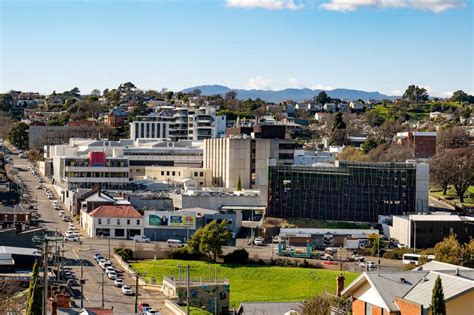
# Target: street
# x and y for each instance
(76, 255)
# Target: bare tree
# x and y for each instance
(454, 137)
(440, 170)
(462, 168)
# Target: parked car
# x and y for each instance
(109, 269)
(112, 275)
(118, 282)
(368, 265)
(357, 258)
(142, 306)
(151, 312)
(72, 282)
(57, 207)
(127, 290)
(39, 187)
(96, 255)
(141, 239)
(259, 241)
(174, 243)
(61, 213)
(71, 238)
(66, 218)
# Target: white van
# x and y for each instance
(174, 243)
(141, 239)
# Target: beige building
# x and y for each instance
(245, 158)
(174, 174)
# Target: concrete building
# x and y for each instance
(177, 176)
(15, 216)
(410, 292)
(244, 158)
(348, 191)
(154, 126)
(424, 231)
(112, 221)
(308, 158)
(423, 143)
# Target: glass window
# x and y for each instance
(128, 221)
(108, 221)
(201, 174)
(368, 309)
(100, 221)
(118, 221)
(138, 222)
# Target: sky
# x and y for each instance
(372, 45)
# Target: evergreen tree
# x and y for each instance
(438, 304)
(239, 185)
(338, 122)
(34, 302)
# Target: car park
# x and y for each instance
(127, 290)
(118, 282)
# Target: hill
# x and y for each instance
(289, 94)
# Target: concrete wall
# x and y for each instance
(400, 230)
(216, 202)
(422, 186)
(156, 204)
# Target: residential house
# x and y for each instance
(410, 292)
(342, 107)
(330, 107)
(115, 221)
(116, 117)
(356, 105)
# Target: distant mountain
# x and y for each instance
(289, 94)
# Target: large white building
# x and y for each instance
(154, 126)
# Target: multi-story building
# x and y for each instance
(423, 143)
(88, 171)
(113, 221)
(179, 175)
(244, 158)
(154, 126)
(347, 191)
(424, 231)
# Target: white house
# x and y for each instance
(115, 221)
(356, 105)
(330, 107)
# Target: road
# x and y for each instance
(76, 254)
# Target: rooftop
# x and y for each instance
(115, 211)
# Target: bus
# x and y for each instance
(414, 258)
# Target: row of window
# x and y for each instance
(117, 222)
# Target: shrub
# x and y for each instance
(238, 256)
(397, 253)
(125, 253)
(184, 254)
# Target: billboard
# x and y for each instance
(172, 219)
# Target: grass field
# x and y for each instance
(451, 195)
(254, 283)
(196, 311)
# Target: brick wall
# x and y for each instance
(425, 146)
(408, 308)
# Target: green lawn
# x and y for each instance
(254, 283)
(451, 195)
(196, 311)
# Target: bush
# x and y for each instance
(397, 253)
(238, 256)
(125, 253)
(184, 254)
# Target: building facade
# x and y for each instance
(423, 143)
(348, 191)
(112, 221)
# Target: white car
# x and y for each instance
(368, 265)
(112, 275)
(118, 282)
(109, 269)
(259, 241)
(141, 239)
(71, 238)
(151, 312)
(127, 290)
(39, 187)
(61, 213)
(57, 207)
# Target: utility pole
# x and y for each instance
(137, 275)
(82, 284)
(188, 297)
(217, 293)
(45, 277)
(102, 282)
(109, 247)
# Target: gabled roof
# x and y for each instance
(274, 308)
(438, 265)
(93, 195)
(115, 211)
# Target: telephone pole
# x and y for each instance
(82, 284)
(45, 276)
(136, 292)
(102, 282)
(188, 297)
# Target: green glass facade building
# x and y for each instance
(348, 191)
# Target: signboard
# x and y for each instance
(172, 219)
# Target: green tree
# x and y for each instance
(322, 98)
(338, 122)
(18, 135)
(209, 240)
(438, 304)
(416, 94)
(317, 305)
(239, 185)
(460, 96)
(449, 250)
(377, 247)
(369, 144)
(34, 305)
(468, 254)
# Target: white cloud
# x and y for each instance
(396, 93)
(436, 6)
(447, 94)
(294, 83)
(259, 83)
(265, 4)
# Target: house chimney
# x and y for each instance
(457, 271)
(340, 284)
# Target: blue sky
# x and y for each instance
(375, 45)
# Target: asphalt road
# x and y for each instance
(76, 254)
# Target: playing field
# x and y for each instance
(253, 283)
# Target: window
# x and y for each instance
(118, 221)
(128, 221)
(108, 221)
(100, 221)
(167, 173)
(119, 232)
(195, 174)
(162, 173)
(201, 174)
(138, 222)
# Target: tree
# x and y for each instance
(449, 250)
(209, 240)
(339, 133)
(438, 304)
(18, 135)
(440, 170)
(462, 169)
(317, 305)
(127, 88)
(95, 92)
(468, 255)
(338, 122)
(239, 185)
(322, 98)
(74, 92)
(416, 94)
(377, 247)
(230, 95)
(34, 305)
(369, 144)
(453, 137)
(460, 96)
(351, 153)
(33, 156)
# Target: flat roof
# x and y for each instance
(296, 231)
(18, 250)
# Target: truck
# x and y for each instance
(352, 244)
